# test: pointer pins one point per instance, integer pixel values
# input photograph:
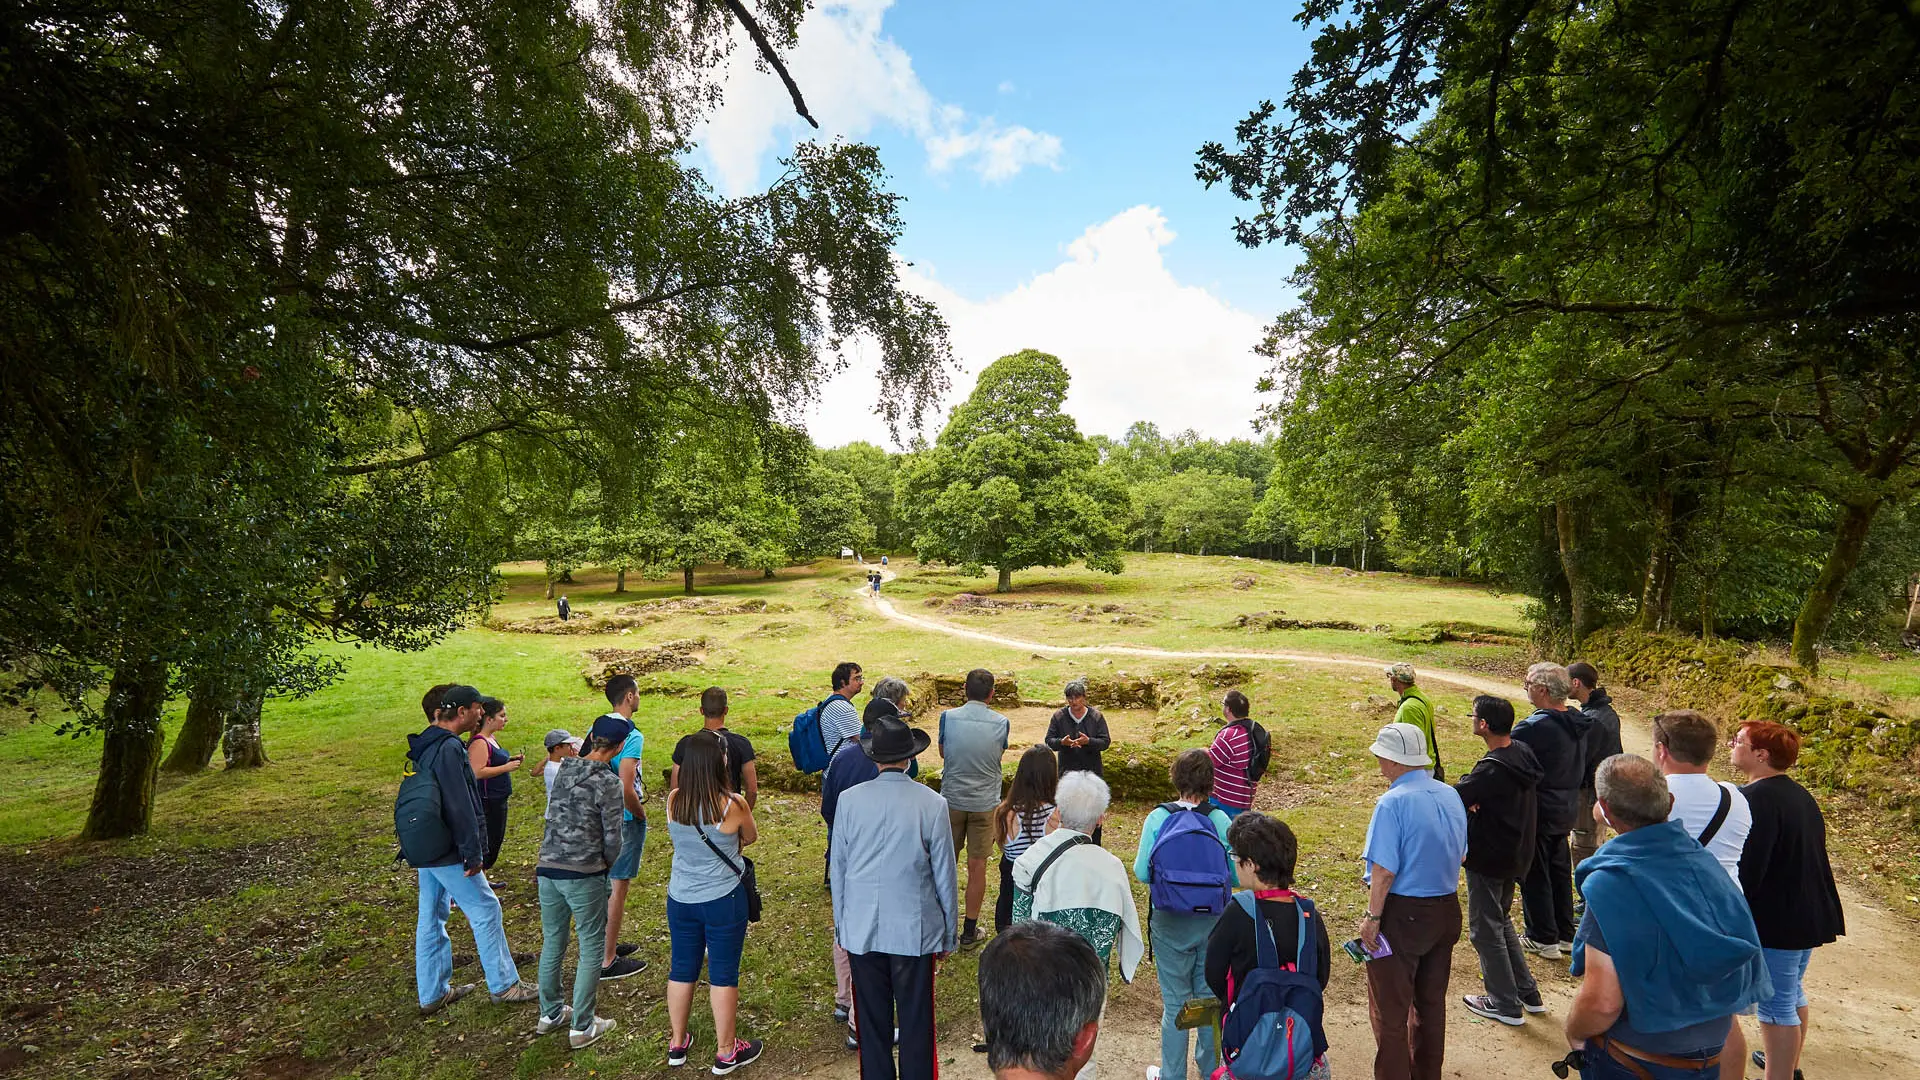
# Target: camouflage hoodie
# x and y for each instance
(583, 818)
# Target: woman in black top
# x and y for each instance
(1265, 851)
(1788, 882)
(492, 766)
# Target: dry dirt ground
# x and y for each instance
(1864, 988)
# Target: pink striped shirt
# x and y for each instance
(1230, 750)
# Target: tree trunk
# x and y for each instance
(1586, 618)
(566, 577)
(1006, 580)
(199, 737)
(1652, 614)
(549, 586)
(1709, 622)
(769, 574)
(1913, 603)
(130, 754)
(1816, 611)
(243, 746)
(687, 576)
(620, 580)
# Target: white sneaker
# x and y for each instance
(545, 1025)
(1153, 1072)
(580, 1040)
(1546, 951)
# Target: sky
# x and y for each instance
(1045, 150)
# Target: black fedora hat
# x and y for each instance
(889, 740)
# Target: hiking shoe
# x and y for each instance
(1482, 1005)
(745, 1052)
(1153, 1072)
(1533, 1003)
(580, 1040)
(840, 1013)
(970, 938)
(1547, 950)
(548, 1023)
(626, 948)
(517, 994)
(622, 968)
(453, 994)
(677, 1055)
(1760, 1062)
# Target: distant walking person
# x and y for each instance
(894, 902)
(1078, 733)
(443, 835)
(710, 824)
(972, 739)
(1234, 752)
(1183, 852)
(1024, 816)
(1556, 734)
(1415, 708)
(581, 843)
(623, 693)
(1602, 742)
(1788, 883)
(1502, 808)
(1042, 989)
(1415, 842)
(493, 767)
(873, 580)
(565, 609)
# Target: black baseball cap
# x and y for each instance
(459, 697)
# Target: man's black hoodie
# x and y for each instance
(441, 750)
(1502, 808)
(1603, 738)
(1558, 739)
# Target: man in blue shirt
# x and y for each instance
(1415, 844)
(623, 693)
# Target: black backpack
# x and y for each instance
(1259, 750)
(418, 821)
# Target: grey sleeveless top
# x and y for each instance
(698, 875)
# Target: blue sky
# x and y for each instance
(1046, 152)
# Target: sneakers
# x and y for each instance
(677, 1055)
(1545, 950)
(1482, 1005)
(453, 994)
(517, 994)
(580, 1040)
(621, 968)
(548, 1023)
(626, 948)
(1533, 1003)
(1153, 1072)
(969, 938)
(840, 1013)
(1760, 1062)
(745, 1052)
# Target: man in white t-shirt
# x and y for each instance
(1683, 745)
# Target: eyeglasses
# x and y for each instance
(1575, 1061)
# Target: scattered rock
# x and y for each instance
(1245, 581)
(1131, 620)
(666, 656)
(1225, 674)
(967, 601)
(1277, 620)
(1787, 683)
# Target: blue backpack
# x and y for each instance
(1272, 1030)
(807, 743)
(1187, 869)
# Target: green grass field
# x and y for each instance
(263, 928)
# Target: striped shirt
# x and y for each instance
(838, 720)
(1026, 828)
(1231, 749)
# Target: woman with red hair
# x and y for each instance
(1789, 885)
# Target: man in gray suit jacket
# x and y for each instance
(895, 902)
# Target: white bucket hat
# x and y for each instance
(1402, 744)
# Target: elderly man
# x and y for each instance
(1667, 952)
(894, 901)
(1556, 735)
(1041, 991)
(1415, 708)
(1415, 843)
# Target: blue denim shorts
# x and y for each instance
(715, 931)
(1786, 968)
(633, 840)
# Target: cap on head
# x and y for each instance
(612, 728)
(1402, 744)
(458, 697)
(558, 736)
(1400, 672)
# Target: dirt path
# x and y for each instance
(1866, 1000)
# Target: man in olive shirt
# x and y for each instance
(972, 739)
(1416, 708)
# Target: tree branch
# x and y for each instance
(425, 456)
(759, 36)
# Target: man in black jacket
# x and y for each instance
(1603, 741)
(1557, 736)
(457, 877)
(1499, 793)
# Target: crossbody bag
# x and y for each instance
(747, 876)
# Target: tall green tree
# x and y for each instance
(1010, 483)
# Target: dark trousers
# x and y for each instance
(1503, 965)
(1407, 991)
(496, 811)
(1546, 893)
(1003, 900)
(1586, 828)
(892, 991)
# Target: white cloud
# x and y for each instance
(1006, 86)
(1138, 344)
(854, 79)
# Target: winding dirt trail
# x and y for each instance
(1866, 998)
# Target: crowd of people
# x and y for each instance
(1693, 902)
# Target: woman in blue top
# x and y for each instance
(707, 901)
(492, 766)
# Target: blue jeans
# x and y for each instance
(1231, 811)
(1602, 1066)
(1180, 962)
(567, 903)
(1785, 969)
(633, 841)
(433, 949)
(715, 930)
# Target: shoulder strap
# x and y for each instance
(1306, 957)
(1266, 949)
(715, 848)
(1071, 842)
(1171, 808)
(1719, 816)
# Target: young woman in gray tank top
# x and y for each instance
(707, 901)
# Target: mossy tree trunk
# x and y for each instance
(130, 753)
(1816, 611)
(686, 573)
(207, 711)
(1586, 617)
(1006, 580)
(620, 580)
(242, 745)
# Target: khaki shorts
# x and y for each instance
(972, 832)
